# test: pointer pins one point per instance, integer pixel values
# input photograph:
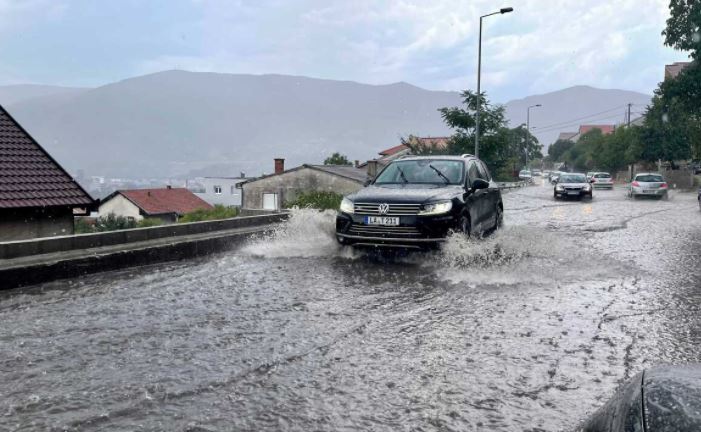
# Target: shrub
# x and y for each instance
(317, 200)
(218, 212)
(149, 222)
(112, 222)
(83, 226)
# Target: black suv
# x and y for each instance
(416, 201)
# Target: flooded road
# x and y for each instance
(530, 329)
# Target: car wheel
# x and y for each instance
(499, 221)
(465, 225)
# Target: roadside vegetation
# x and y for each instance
(218, 212)
(316, 200)
(111, 222)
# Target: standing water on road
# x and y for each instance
(529, 329)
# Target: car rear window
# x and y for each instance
(649, 178)
(602, 175)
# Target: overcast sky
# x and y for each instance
(543, 45)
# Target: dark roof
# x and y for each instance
(434, 142)
(162, 200)
(348, 171)
(29, 176)
(566, 135)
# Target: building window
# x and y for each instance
(217, 190)
(270, 201)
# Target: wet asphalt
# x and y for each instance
(530, 329)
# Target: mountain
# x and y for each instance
(565, 110)
(12, 94)
(182, 124)
(170, 123)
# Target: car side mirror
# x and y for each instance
(367, 182)
(592, 181)
(480, 184)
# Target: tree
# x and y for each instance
(559, 148)
(683, 30)
(337, 159)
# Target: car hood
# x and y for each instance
(573, 184)
(408, 193)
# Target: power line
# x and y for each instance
(613, 116)
(565, 123)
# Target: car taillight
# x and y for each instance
(636, 184)
(663, 185)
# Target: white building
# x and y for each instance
(221, 190)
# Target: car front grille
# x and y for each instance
(384, 231)
(372, 209)
(573, 188)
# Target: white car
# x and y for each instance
(525, 175)
(601, 180)
(648, 184)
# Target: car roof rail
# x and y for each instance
(467, 155)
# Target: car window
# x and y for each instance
(473, 171)
(423, 171)
(573, 178)
(649, 178)
(602, 175)
(483, 171)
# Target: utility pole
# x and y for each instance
(629, 105)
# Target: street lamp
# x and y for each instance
(479, 73)
(528, 127)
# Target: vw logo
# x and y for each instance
(383, 208)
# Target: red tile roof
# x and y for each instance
(436, 142)
(29, 176)
(163, 200)
(605, 129)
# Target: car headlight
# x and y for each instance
(587, 187)
(559, 188)
(436, 208)
(347, 206)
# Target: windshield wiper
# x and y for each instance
(401, 173)
(447, 180)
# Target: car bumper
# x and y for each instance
(412, 231)
(577, 194)
(648, 192)
(603, 185)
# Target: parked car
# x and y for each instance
(554, 176)
(537, 173)
(663, 398)
(590, 174)
(525, 175)
(648, 184)
(572, 185)
(417, 201)
(601, 180)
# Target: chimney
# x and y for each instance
(356, 163)
(279, 165)
(372, 169)
(243, 174)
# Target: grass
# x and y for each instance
(218, 212)
(316, 200)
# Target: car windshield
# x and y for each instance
(649, 178)
(573, 178)
(423, 171)
(602, 175)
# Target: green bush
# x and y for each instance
(112, 222)
(82, 226)
(149, 222)
(317, 200)
(218, 212)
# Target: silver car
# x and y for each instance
(648, 184)
(601, 180)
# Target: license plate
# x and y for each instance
(573, 193)
(649, 191)
(381, 220)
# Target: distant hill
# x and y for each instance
(566, 109)
(13, 94)
(176, 123)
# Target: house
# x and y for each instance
(221, 190)
(38, 198)
(566, 136)
(271, 192)
(402, 149)
(167, 204)
(605, 129)
(671, 71)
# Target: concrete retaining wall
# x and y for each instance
(21, 248)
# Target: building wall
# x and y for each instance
(24, 224)
(290, 184)
(230, 195)
(120, 206)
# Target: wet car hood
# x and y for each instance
(573, 184)
(408, 193)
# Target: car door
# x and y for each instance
(476, 198)
(491, 196)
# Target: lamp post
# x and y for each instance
(479, 76)
(528, 128)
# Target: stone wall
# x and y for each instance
(20, 224)
(290, 184)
